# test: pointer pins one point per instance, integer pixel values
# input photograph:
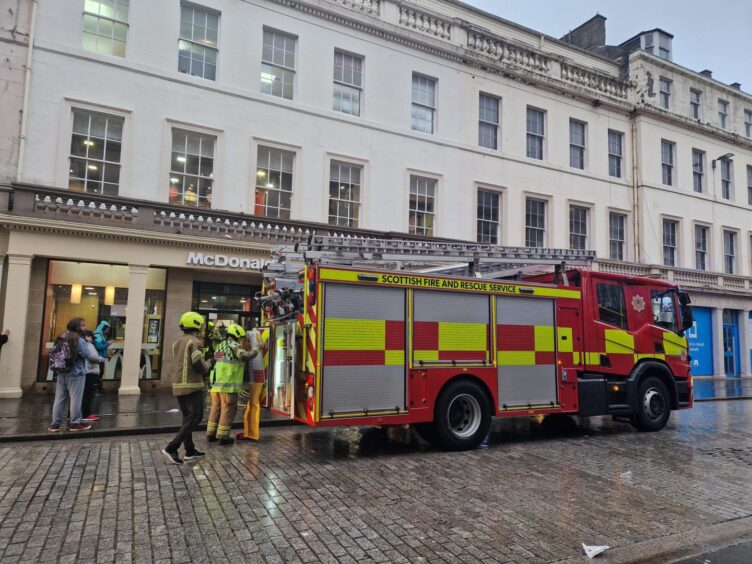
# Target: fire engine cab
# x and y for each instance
(364, 332)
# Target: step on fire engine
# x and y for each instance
(445, 336)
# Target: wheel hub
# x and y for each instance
(653, 404)
(464, 415)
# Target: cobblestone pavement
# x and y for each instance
(347, 495)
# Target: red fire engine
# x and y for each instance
(351, 344)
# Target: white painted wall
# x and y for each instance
(147, 90)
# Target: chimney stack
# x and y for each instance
(707, 73)
(736, 85)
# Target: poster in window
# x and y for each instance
(152, 333)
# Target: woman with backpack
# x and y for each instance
(67, 361)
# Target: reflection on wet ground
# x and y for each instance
(150, 411)
(540, 489)
(722, 388)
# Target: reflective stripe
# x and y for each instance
(354, 334)
(425, 282)
(544, 338)
(566, 340)
(395, 358)
(515, 358)
(619, 342)
(674, 345)
(454, 336)
(426, 355)
(592, 358)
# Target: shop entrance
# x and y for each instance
(223, 304)
(730, 343)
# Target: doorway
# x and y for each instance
(730, 343)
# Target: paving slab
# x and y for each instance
(351, 494)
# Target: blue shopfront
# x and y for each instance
(701, 342)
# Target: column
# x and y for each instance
(14, 319)
(717, 322)
(134, 327)
(745, 342)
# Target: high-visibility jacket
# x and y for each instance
(228, 370)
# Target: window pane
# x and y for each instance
(611, 305)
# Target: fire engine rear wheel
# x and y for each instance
(653, 407)
(463, 416)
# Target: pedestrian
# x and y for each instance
(4, 337)
(186, 371)
(91, 375)
(102, 340)
(257, 388)
(67, 360)
(226, 384)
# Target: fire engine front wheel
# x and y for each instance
(653, 407)
(463, 416)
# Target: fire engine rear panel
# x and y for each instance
(450, 326)
(526, 351)
(364, 349)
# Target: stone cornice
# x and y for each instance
(688, 73)
(93, 231)
(692, 124)
(486, 51)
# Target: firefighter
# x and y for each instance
(187, 372)
(226, 383)
(252, 416)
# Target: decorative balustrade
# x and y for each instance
(683, 277)
(735, 282)
(372, 7)
(209, 224)
(696, 279)
(117, 212)
(426, 23)
(593, 81)
(79, 206)
(625, 268)
(506, 52)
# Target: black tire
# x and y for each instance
(427, 432)
(463, 416)
(652, 405)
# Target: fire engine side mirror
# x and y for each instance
(687, 317)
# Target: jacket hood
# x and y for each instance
(101, 327)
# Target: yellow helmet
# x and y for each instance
(236, 331)
(191, 320)
(211, 325)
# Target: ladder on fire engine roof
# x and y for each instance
(428, 257)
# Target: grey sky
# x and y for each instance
(713, 35)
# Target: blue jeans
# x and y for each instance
(69, 387)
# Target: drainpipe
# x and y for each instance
(27, 88)
(635, 188)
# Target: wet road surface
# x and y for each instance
(347, 495)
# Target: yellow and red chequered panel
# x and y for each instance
(446, 340)
(363, 342)
(525, 344)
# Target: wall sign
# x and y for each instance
(700, 338)
(224, 261)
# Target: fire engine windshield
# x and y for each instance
(664, 309)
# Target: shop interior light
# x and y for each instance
(75, 296)
(174, 180)
(261, 173)
(109, 295)
(181, 159)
